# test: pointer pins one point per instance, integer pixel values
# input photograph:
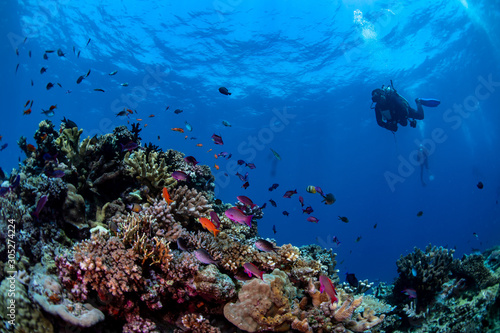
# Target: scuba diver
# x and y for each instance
(423, 160)
(391, 108)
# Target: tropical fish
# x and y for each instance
(129, 146)
(273, 203)
(182, 244)
(251, 166)
(236, 215)
(39, 205)
(412, 293)
(99, 89)
(215, 219)
(17, 67)
(48, 113)
(240, 162)
(166, 196)
(375, 226)
(52, 107)
(241, 177)
(318, 190)
(288, 194)
(151, 116)
(122, 113)
(180, 175)
(88, 73)
(273, 187)
(177, 129)
(216, 166)
(113, 73)
(88, 42)
(336, 240)
(312, 219)
(245, 185)
(329, 199)
(3, 146)
(224, 91)
(78, 54)
(203, 256)
(274, 229)
(49, 85)
(69, 123)
(188, 126)
(60, 53)
(207, 224)
(30, 148)
(414, 271)
(351, 279)
(80, 79)
(301, 200)
(55, 174)
(327, 286)
(251, 269)
(420, 213)
(135, 207)
(285, 213)
(124, 84)
(176, 111)
(278, 157)
(265, 245)
(43, 70)
(246, 201)
(225, 123)
(344, 219)
(308, 210)
(190, 160)
(358, 239)
(45, 56)
(480, 185)
(217, 139)
(26, 112)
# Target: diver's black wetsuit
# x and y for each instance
(393, 109)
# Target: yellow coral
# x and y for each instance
(150, 168)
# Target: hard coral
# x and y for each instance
(212, 285)
(188, 202)
(150, 168)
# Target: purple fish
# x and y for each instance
(319, 190)
(56, 174)
(308, 210)
(251, 165)
(236, 215)
(217, 139)
(180, 175)
(241, 162)
(215, 219)
(288, 194)
(336, 240)
(39, 206)
(190, 160)
(203, 256)
(252, 269)
(241, 177)
(273, 187)
(412, 293)
(327, 286)
(246, 201)
(181, 244)
(129, 146)
(264, 245)
(301, 199)
(223, 154)
(312, 219)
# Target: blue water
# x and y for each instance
(315, 62)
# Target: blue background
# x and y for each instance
(317, 62)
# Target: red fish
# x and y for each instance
(166, 196)
(27, 111)
(52, 107)
(327, 286)
(30, 148)
(288, 194)
(245, 186)
(251, 269)
(177, 129)
(207, 224)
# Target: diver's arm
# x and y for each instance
(387, 125)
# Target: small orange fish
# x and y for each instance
(130, 111)
(216, 156)
(28, 102)
(151, 115)
(27, 111)
(208, 151)
(216, 166)
(185, 138)
(207, 224)
(199, 145)
(138, 119)
(30, 148)
(52, 107)
(166, 196)
(145, 125)
(136, 208)
(177, 129)
(43, 136)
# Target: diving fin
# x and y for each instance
(430, 102)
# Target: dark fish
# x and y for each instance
(73, 49)
(49, 157)
(358, 239)
(60, 53)
(344, 219)
(129, 146)
(17, 180)
(224, 91)
(420, 213)
(17, 52)
(329, 199)
(32, 83)
(375, 226)
(241, 162)
(2, 174)
(265, 245)
(39, 206)
(45, 56)
(288, 194)
(88, 42)
(49, 85)
(121, 113)
(56, 174)
(273, 187)
(78, 54)
(17, 67)
(88, 73)
(113, 227)
(352, 280)
(241, 177)
(273, 203)
(286, 213)
(177, 111)
(190, 160)
(336, 240)
(182, 244)
(98, 89)
(80, 79)
(245, 185)
(278, 157)
(480, 185)
(217, 139)
(31, 104)
(60, 86)
(3, 146)
(49, 51)
(225, 123)
(264, 205)
(113, 73)
(274, 229)
(205, 257)
(218, 201)
(29, 53)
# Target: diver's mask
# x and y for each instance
(377, 95)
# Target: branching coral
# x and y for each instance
(149, 168)
(196, 323)
(188, 202)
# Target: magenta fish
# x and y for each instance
(308, 210)
(264, 245)
(312, 219)
(327, 286)
(412, 293)
(215, 219)
(241, 162)
(246, 201)
(301, 200)
(319, 190)
(129, 146)
(39, 206)
(288, 194)
(180, 175)
(190, 160)
(251, 269)
(251, 165)
(236, 215)
(223, 154)
(217, 139)
(203, 256)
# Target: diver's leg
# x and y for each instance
(416, 114)
(422, 174)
